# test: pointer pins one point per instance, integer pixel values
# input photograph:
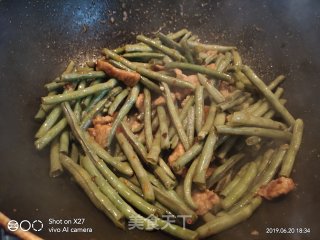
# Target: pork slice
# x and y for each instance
(276, 188)
(205, 200)
(128, 78)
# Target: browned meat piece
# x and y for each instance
(209, 172)
(205, 201)
(102, 120)
(212, 66)
(68, 86)
(225, 89)
(101, 129)
(159, 101)
(136, 126)
(162, 101)
(276, 188)
(182, 93)
(212, 52)
(157, 67)
(139, 102)
(100, 133)
(177, 152)
(134, 123)
(128, 78)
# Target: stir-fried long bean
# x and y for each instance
(114, 197)
(214, 93)
(221, 170)
(241, 187)
(202, 46)
(148, 73)
(205, 159)
(145, 81)
(69, 77)
(163, 127)
(293, 148)
(131, 99)
(243, 119)
(147, 118)
(199, 69)
(79, 93)
(175, 118)
(249, 131)
(43, 141)
(170, 126)
(187, 185)
(174, 54)
(49, 122)
(101, 201)
(208, 123)
(269, 95)
(226, 221)
(137, 167)
(55, 164)
(199, 102)
(117, 101)
(188, 156)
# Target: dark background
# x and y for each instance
(37, 38)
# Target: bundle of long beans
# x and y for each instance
(174, 109)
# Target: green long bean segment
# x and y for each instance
(174, 54)
(208, 123)
(221, 170)
(226, 221)
(214, 93)
(114, 197)
(49, 121)
(269, 95)
(97, 108)
(198, 108)
(175, 118)
(205, 159)
(69, 77)
(55, 163)
(148, 73)
(294, 146)
(43, 141)
(147, 118)
(231, 185)
(187, 185)
(202, 46)
(79, 93)
(163, 126)
(131, 99)
(241, 187)
(243, 119)
(117, 101)
(199, 69)
(249, 131)
(101, 201)
(137, 167)
(106, 172)
(172, 127)
(122, 167)
(189, 155)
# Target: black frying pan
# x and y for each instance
(37, 38)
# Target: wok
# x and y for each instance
(37, 39)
